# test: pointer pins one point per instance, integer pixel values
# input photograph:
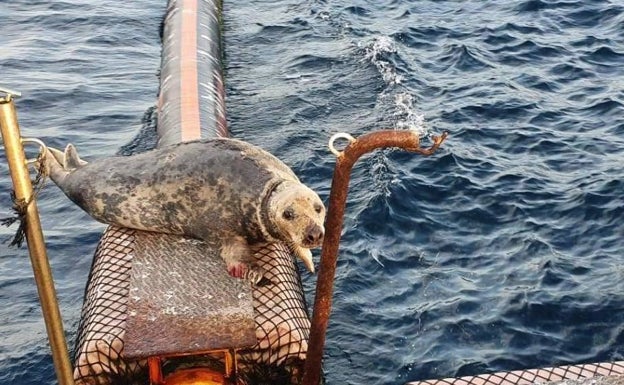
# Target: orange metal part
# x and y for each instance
(155, 371)
(194, 376)
(201, 376)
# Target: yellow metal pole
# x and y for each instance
(34, 238)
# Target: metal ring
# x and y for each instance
(340, 135)
(42, 147)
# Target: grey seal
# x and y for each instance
(223, 191)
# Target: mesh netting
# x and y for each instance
(534, 376)
(99, 345)
(282, 323)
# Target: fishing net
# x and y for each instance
(99, 344)
(536, 376)
(282, 323)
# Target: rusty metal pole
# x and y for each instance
(34, 237)
(405, 139)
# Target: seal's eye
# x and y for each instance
(289, 214)
(318, 208)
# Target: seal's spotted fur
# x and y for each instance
(223, 191)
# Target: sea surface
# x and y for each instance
(502, 251)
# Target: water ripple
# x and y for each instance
(87, 72)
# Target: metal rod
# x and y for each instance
(154, 369)
(34, 238)
(231, 366)
(9, 91)
(407, 140)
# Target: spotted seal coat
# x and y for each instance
(223, 191)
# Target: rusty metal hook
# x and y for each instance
(346, 158)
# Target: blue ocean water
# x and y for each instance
(500, 252)
(88, 72)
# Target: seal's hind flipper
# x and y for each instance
(57, 164)
(58, 155)
(51, 161)
(71, 160)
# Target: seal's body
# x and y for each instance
(222, 191)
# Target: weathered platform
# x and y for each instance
(181, 300)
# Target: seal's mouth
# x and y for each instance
(313, 236)
(312, 245)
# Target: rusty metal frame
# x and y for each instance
(407, 140)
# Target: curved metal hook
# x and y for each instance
(42, 148)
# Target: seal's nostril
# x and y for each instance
(314, 235)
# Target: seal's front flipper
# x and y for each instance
(253, 274)
(256, 276)
(237, 256)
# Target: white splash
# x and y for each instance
(408, 117)
(395, 96)
(376, 254)
(376, 51)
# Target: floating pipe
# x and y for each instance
(16, 159)
(405, 139)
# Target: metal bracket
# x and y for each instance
(9, 93)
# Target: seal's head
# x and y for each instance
(297, 214)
